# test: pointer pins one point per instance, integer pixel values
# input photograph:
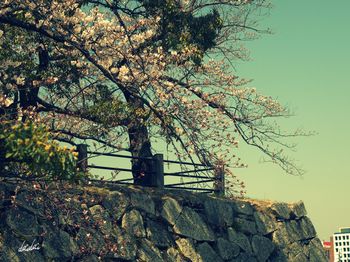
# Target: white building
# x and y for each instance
(341, 245)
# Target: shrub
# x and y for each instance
(28, 147)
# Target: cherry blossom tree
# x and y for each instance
(124, 73)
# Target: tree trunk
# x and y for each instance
(140, 145)
(28, 94)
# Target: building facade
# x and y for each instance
(341, 245)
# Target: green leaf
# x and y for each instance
(8, 154)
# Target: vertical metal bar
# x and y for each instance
(82, 157)
(157, 179)
(219, 184)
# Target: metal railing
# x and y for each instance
(214, 175)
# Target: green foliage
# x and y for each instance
(29, 145)
(180, 28)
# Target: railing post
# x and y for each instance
(219, 184)
(82, 163)
(157, 178)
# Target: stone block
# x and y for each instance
(116, 204)
(22, 223)
(132, 222)
(266, 223)
(172, 255)
(59, 245)
(262, 247)
(242, 207)
(158, 234)
(143, 201)
(316, 251)
(207, 253)
(125, 245)
(187, 249)
(298, 209)
(171, 210)
(190, 224)
(239, 239)
(90, 240)
(148, 252)
(301, 257)
(292, 231)
(244, 225)
(218, 213)
(244, 257)
(281, 210)
(227, 249)
(101, 218)
(293, 250)
(306, 228)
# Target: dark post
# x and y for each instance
(158, 169)
(219, 184)
(82, 157)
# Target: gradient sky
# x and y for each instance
(306, 64)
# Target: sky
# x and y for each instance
(305, 64)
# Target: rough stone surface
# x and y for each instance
(240, 239)
(143, 201)
(59, 245)
(298, 209)
(22, 223)
(207, 254)
(158, 234)
(227, 249)
(148, 252)
(281, 210)
(116, 210)
(301, 257)
(286, 233)
(190, 224)
(307, 230)
(124, 245)
(173, 255)
(244, 257)
(262, 247)
(265, 223)
(101, 218)
(120, 223)
(132, 222)
(294, 250)
(90, 240)
(242, 207)
(315, 251)
(246, 226)
(219, 213)
(187, 249)
(89, 258)
(171, 210)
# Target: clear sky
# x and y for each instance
(306, 64)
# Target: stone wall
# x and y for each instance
(65, 223)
